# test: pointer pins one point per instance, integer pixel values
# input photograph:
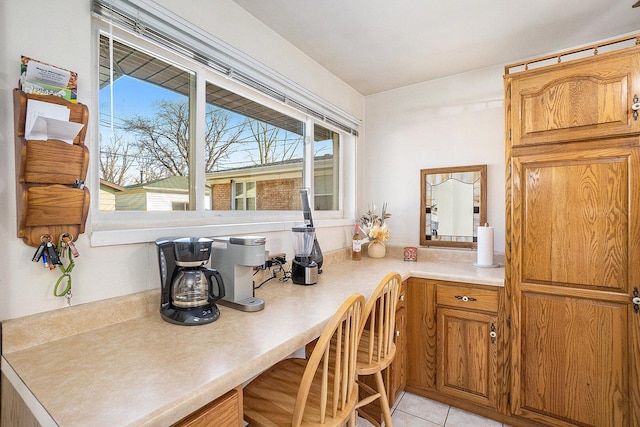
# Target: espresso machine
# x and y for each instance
(235, 258)
(304, 270)
(189, 290)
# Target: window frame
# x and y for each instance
(109, 228)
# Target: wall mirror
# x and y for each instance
(452, 205)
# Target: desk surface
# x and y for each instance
(145, 371)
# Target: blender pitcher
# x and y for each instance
(304, 270)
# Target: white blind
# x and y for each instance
(161, 26)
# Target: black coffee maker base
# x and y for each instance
(190, 316)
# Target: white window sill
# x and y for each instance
(114, 235)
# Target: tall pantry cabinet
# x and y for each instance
(573, 239)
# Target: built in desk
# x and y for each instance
(116, 362)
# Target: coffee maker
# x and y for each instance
(235, 258)
(189, 290)
(304, 270)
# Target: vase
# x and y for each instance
(376, 249)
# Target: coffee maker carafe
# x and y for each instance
(304, 270)
(189, 289)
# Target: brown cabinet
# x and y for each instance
(581, 100)
(573, 241)
(467, 343)
(225, 411)
(421, 333)
(455, 333)
(395, 375)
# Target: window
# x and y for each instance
(182, 139)
(249, 141)
(244, 196)
(144, 145)
(326, 160)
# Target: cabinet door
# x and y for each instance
(396, 372)
(421, 333)
(575, 101)
(575, 263)
(467, 355)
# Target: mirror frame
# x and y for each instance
(482, 169)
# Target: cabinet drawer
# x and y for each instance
(467, 297)
(225, 411)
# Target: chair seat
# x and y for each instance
(368, 364)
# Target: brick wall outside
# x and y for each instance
(278, 195)
(222, 197)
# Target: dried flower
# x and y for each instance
(375, 225)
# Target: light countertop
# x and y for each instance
(116, 362)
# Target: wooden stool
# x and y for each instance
(377, 348)
(320, 390)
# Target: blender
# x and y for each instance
(304, 270)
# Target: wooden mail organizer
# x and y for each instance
(47, 201)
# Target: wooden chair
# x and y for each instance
(377, 348)
(318, 391)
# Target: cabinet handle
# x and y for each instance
(466, 298)
(493, 333)
(401, 298)
(636, 300)
(397, 333)
(635, 107)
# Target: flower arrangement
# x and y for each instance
(374, 225)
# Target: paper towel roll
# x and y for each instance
(485, 246)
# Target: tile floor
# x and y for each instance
(416, 411)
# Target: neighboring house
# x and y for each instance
(168, 194)
(269, 187)
(108, 191)
(272, 187)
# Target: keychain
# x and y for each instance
(47, 253)
(67, 251)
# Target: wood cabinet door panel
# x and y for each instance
(467, 356)
(421, 334)
(575, 225)
(574, 361)
(575, 263)
(576, 101)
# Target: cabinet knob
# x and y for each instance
(466, 298)
(401, 298)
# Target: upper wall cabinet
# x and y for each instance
(580, 100)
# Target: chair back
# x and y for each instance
(332, 363)
(379, 322)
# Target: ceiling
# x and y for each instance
(378, 45)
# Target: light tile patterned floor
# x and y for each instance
(415, 411)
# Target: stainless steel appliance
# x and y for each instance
(189, 290)
(304, 270)
(235, 258)
(316, 252)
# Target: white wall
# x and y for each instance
(105, 272)
(454, 121)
